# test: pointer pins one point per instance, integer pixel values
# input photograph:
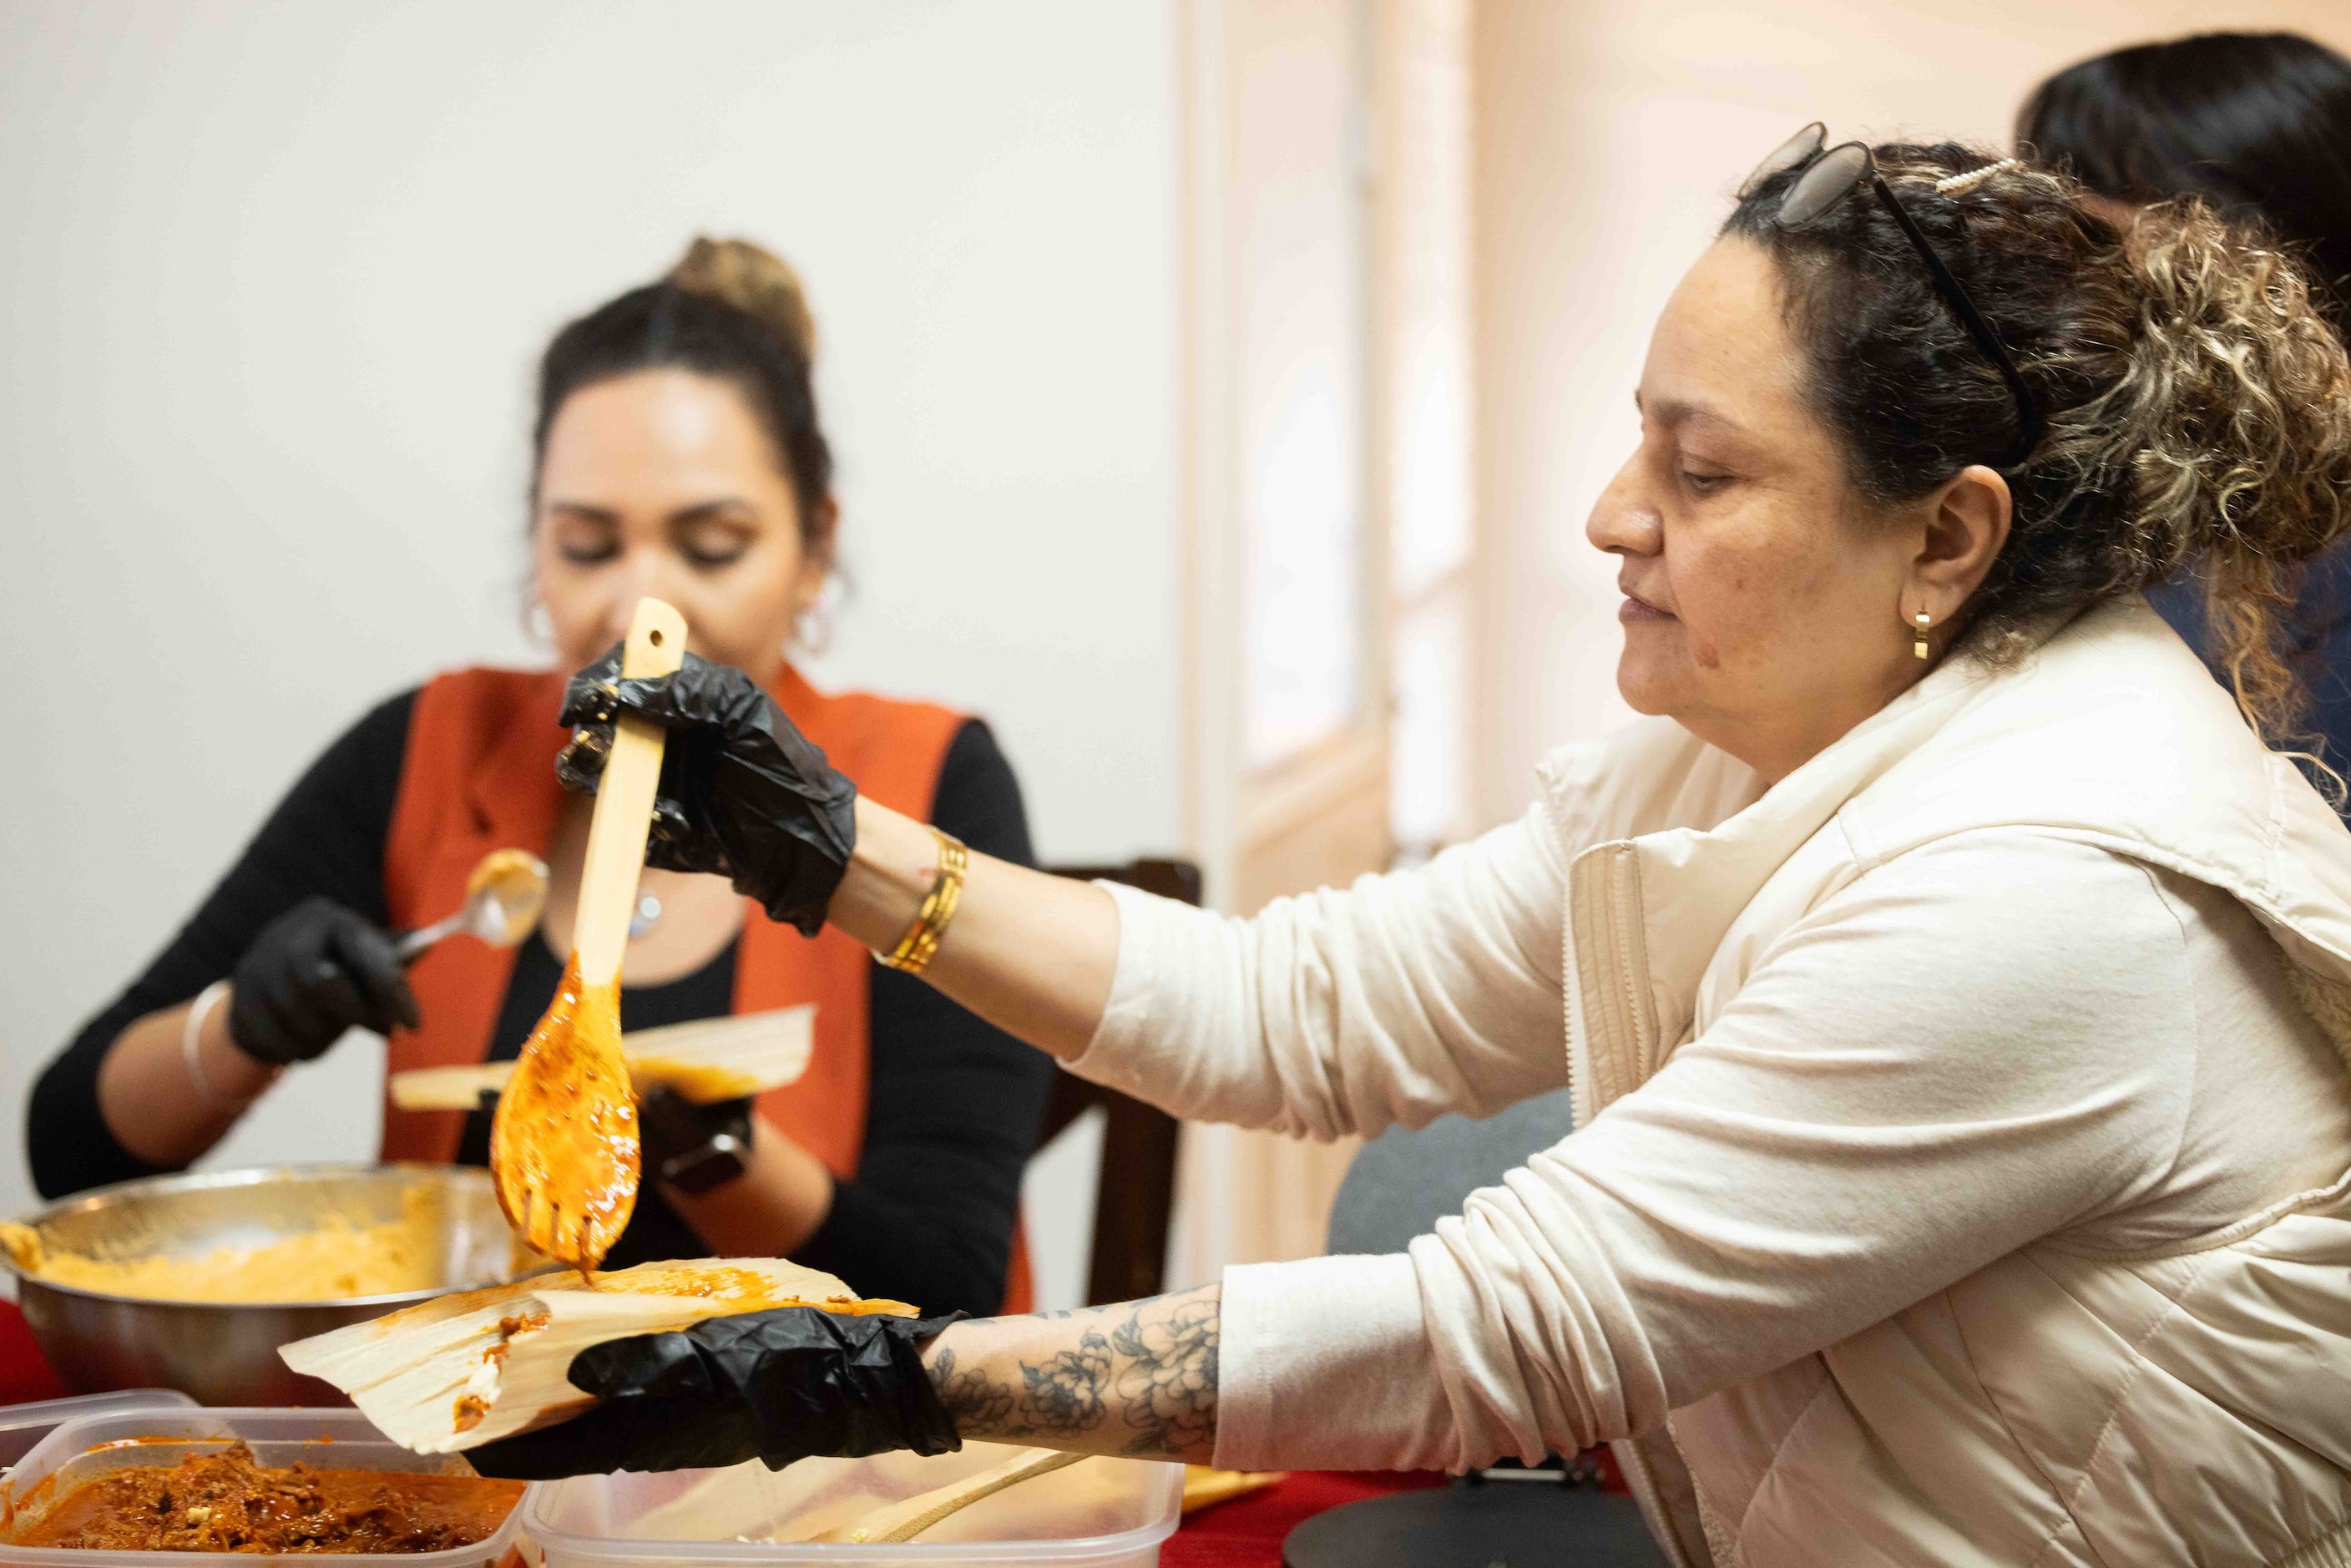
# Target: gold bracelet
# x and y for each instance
(915, 949)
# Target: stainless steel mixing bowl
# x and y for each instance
(227, 1353)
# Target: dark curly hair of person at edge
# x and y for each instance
(2257, 127)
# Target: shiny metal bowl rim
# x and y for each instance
(249, 1176)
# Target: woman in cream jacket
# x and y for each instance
(1951, 980)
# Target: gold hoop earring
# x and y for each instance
(1918, 649)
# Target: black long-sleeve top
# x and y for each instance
(952, 1107)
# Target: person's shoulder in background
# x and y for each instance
(978, 797)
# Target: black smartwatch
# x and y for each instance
(694, 1147)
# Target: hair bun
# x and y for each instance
(754, 280)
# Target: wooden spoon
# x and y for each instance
(904, 1520)
(564, 1146)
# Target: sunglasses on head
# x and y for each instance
(1826, 175)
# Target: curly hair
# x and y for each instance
(2198, 403)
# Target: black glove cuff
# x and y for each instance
(803, 902)
(929, 1424)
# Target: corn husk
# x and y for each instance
(462, 1370)
(706, 1060)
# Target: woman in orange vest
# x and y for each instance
(676, 453)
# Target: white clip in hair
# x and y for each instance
(1955, 183)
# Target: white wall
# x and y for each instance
(271, 280)
(1610, 135)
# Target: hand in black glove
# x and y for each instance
(742, 793)
(694, 1147)
(777, 1385)
(315, 971)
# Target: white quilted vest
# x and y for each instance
(2063, 1406)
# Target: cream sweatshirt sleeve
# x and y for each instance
(1398, 1000)
(1980, 1043)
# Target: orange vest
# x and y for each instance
(480, 775)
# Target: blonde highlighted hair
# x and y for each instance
(754, 280)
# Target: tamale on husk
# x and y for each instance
(465, 1369)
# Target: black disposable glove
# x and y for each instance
(776, 1387)
(694, 1147)
(315, 971)
(743, 794)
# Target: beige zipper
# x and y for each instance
(1618, 1012)
(1619, 905)
(1569, 973)
(1625, 918)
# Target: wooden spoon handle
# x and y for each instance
(624, 804)
(904, 1520)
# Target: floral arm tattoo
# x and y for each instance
(1137, 1379)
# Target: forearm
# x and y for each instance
(782, 1195)
(150, 1103)
(1397, 999)
(1034, 954)
(1137, 1379)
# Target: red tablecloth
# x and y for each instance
(23, 1375)
(1247, 1532)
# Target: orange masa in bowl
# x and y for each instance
(347, 1257)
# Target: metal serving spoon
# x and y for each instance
(503, 899)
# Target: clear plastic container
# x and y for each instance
(22, 1427)
(1104, 1513)
(79, 1451)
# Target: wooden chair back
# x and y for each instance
(1135, 1191)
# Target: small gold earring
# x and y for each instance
(1918, 648)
